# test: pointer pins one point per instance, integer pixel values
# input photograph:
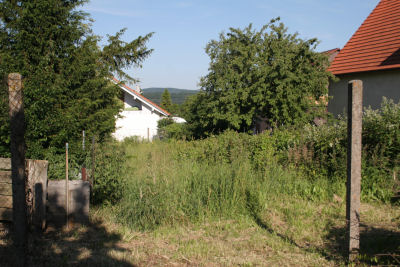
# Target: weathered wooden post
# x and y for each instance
(354, 130)
(17, 127)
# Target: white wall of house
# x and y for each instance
(376, 84)
(141, 122)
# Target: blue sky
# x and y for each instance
(184, 27)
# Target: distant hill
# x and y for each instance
(178, 96)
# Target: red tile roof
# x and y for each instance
(151, 103)
(331, 54)
(375, 45)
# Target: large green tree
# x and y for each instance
(66, 71)
(253, 74)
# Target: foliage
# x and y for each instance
(163, 193)
(110, 172)
(66, 86)
(175, 110)
(381, 132)
(322, 151)
(161, 124)
(178, 131)
(168, 129)
(164, 122)
(259, 74)
(219, 177)
(166, 102)
(234, 174)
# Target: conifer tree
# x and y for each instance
(166, 102)
(66, 72)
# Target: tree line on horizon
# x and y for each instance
(178, 96)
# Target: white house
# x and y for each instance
(140, 115)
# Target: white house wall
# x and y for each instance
(136, 123)
(141, 123)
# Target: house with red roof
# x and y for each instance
(372, 55)
(139, 116)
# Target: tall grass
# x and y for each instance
(236, 174)
(180, 182)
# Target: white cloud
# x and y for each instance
(184, 4)
(115, 12)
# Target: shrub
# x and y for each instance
(168, 129)
(322, 151)
(176, 131)
(110, 171)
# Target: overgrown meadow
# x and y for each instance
(286, 184)
(174, 181)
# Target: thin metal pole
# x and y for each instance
(66, 185)
(83, 171)
(93, 160)
(83, 140)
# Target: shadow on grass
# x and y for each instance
(378, 245)
(254, 208)
(90, 244)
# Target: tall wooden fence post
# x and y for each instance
(17, 125)
(354, 132)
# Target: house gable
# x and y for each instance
(375, 45)
(136, 96)
(139, 117)
(372, 55)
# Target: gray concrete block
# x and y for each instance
(79, 199)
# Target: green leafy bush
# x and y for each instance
(168, 129)
(322, 151)
(109, 174)
(177, 131)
